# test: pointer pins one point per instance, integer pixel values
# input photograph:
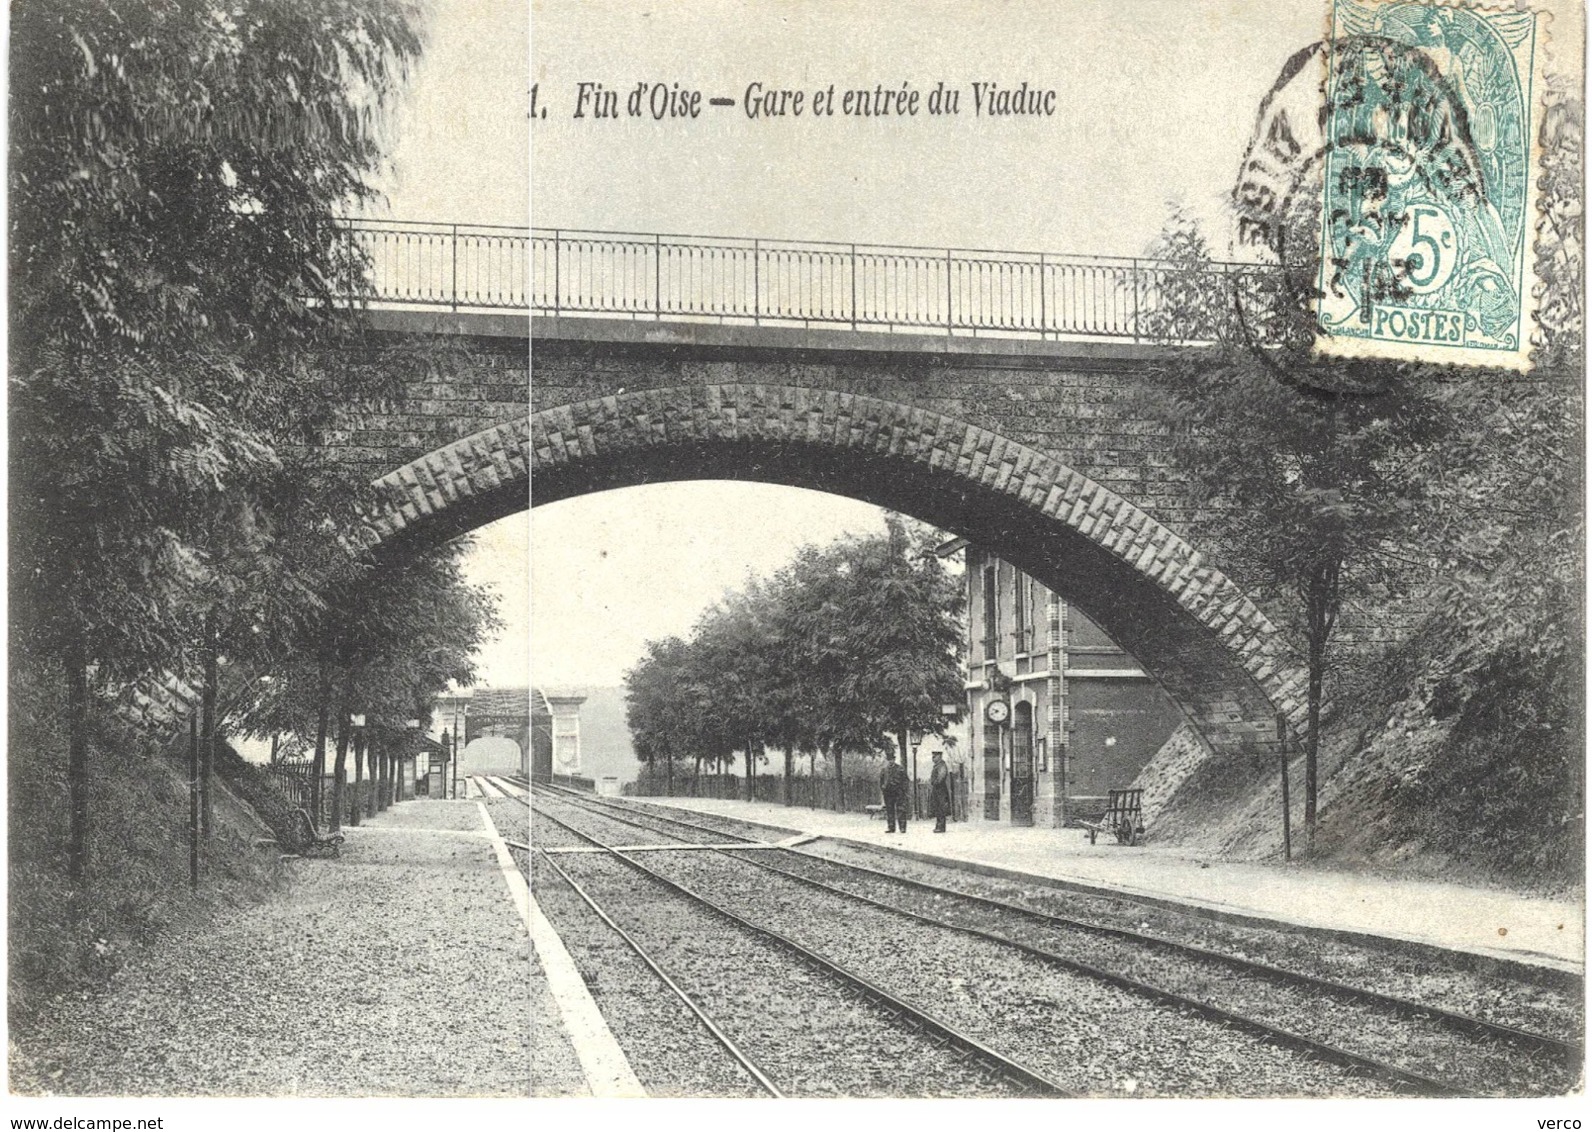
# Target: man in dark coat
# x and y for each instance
(893, 785)
(939, 792)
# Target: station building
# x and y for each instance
(1057, 714)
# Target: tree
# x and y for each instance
(1330, 484)
(845, 646)
(876, 625)
(654, 710)
(175, 174)
(392, 638)
(1310, 491)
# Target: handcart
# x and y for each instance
(1123, 818)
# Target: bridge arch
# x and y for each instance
(1214, 652)
(454, 489)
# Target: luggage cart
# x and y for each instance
(1123, 819)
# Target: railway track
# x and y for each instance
(825, 994)
(1318, 1016)
(500, 786)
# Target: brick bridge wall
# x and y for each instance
(1032, 449)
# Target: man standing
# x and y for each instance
(893, 785)
(939, 792)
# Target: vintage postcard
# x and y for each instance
(765, 549)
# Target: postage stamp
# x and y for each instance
(1428, 179)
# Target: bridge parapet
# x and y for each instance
(870, 286)
(798, 283)
(444, 266)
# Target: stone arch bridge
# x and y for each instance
(1021, 435)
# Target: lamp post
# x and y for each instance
(356, 720)
(442, 769)
(456, 761)
(916, 739)
(458, 710)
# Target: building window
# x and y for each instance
(1025, 612)
(991, 614)
(1020, 612)
(1040, 752)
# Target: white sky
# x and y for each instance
(1156, 100)
(461, 152)
(614, 570)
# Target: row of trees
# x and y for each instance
(177, 276)
(846, 649)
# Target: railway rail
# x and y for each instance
(1200, 976)
(981, 1069)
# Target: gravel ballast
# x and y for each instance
(1423, 1045)
(810, 1031)
(1097, 1039)
(1483, 994)
(408, 941)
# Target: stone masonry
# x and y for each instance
(448, 449)
(1029, 448)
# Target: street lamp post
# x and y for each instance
(458, 708)
(442, 769)
(916, 739)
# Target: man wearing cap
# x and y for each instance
(893, 785)
(939, 792)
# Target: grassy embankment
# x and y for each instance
(1482, 786)
(68, 939)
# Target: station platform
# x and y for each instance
(1486, 923)
(397, 969)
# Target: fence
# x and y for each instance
(802, 282)
(575, 782)
(292, 780)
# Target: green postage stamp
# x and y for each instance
(1428, 202)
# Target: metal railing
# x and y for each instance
(452, 266)
(798, 283)
(878, 287)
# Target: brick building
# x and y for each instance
(1058, 714)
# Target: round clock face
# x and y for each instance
(996, 711)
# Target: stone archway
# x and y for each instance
(1214, 652)
(461, 486)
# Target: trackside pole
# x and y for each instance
(193, 801)
(1282, 758)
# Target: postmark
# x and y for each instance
(1391, 173)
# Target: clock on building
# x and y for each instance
(997, 711)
